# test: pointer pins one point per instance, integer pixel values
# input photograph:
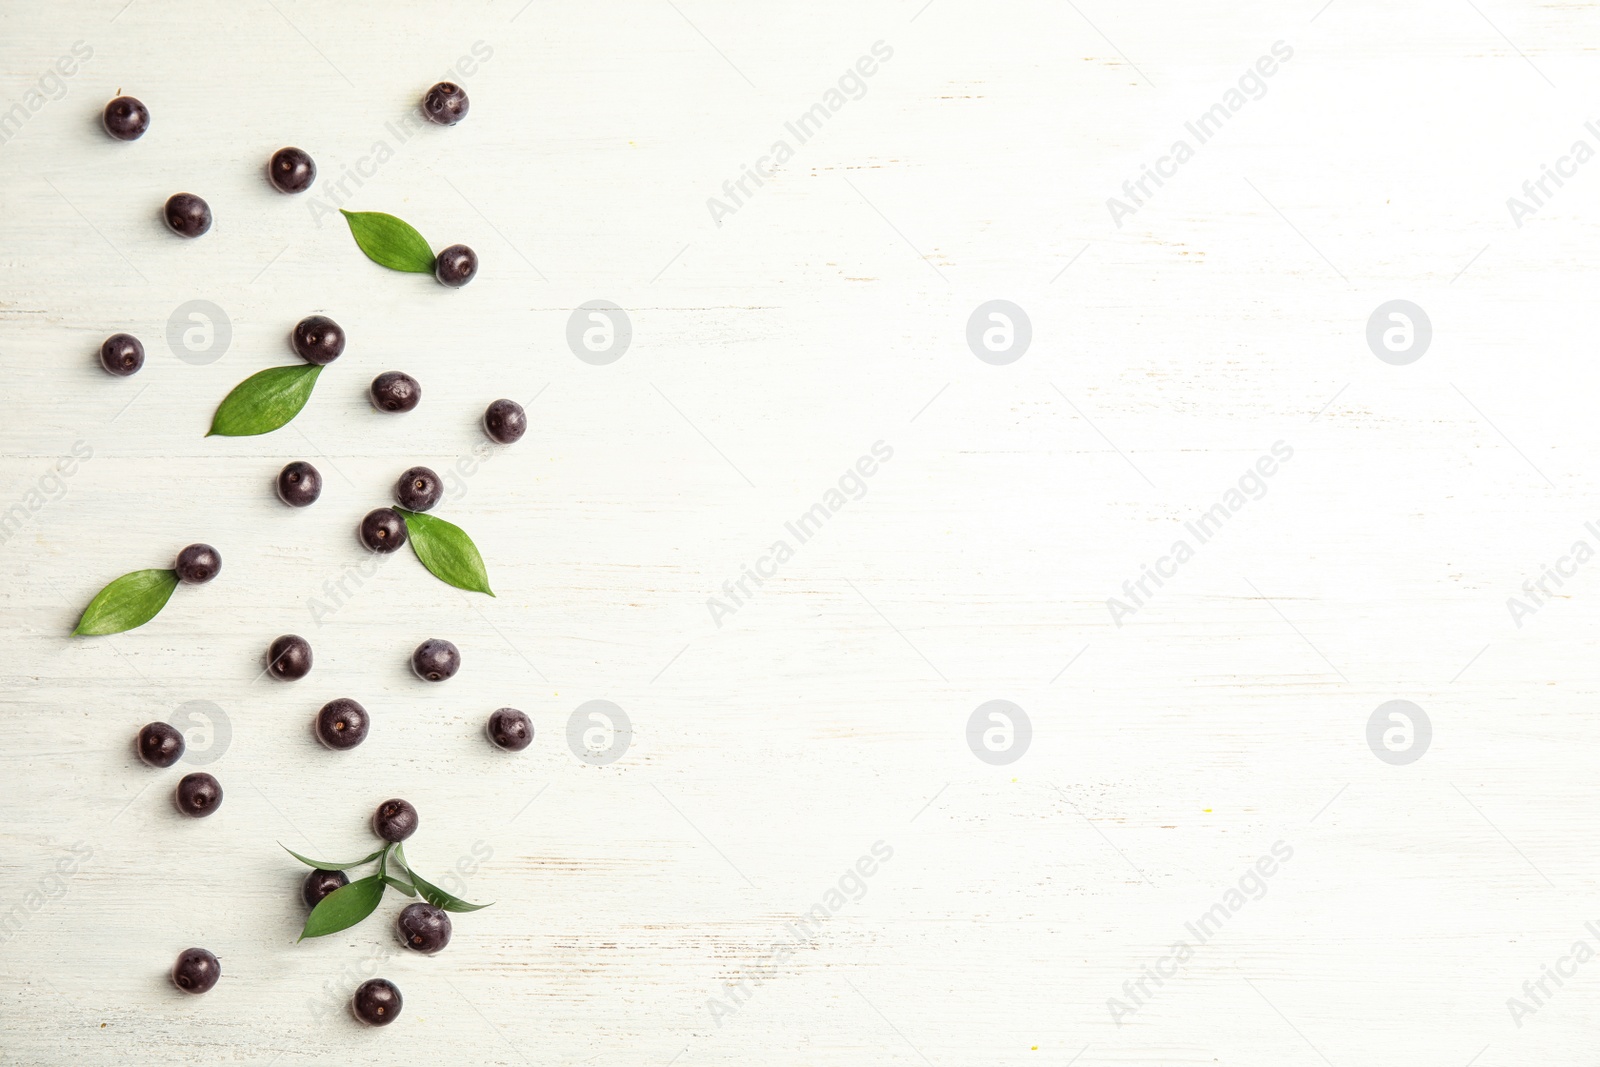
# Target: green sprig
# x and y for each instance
(349, 904)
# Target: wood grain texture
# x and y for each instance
(828, 713)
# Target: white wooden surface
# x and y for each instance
(829, 712)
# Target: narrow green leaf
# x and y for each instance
(132, 600)
(394, 883)
(265, 401)
(390, 242)
(383, 870)
(344, 907)
(446, 550)
(439, 898)
(319, 865)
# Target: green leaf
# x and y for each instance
(330, 866)
(265, 401)
(438, 897)
(388, 879)
(446, 550)
(390, 242)
(344, 907)
(394, 883)
(132, 600)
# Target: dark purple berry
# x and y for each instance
(510, 729)
(423, 928)
(291, 170)
(342, 723)
(289, 658)
(198, 564)
(446, 104)
(187, 215)
(199, 794)
(455, 266)
(196, 970)
(435, 660)
(377, 1002)
(319, 884)
(318, 339)
(160, 744)
(121, 354)
(395, 391)
(395, 820)
(505, 421)
(383, 530)
(418, 489)
(126, 118)
(299, 484)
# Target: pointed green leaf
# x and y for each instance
(394, 883)
(439, 898)
(387, 878)
(265, 401)
(446, 550)
(344, 907)
(390, 242)
(330, 866)
(132, 600)
(432, 893)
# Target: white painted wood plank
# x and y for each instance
(828, 713)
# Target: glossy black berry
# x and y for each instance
(289, 658)
(423, 928)
(199, 794)
(121, 354)
(395, 820)
(318, 339)
(377, 1002)
(418, 489)
(342, 723)
(383, 530)
(505, 421)
(299, 484)
(395, 391)
(446, 104)
(455, 266)
(510, 729)
(126, 118)
(196, 970)
(160, 745)
(319, 884)
(435, 660)
(198, 564)
(187, 215)
(291, 170)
